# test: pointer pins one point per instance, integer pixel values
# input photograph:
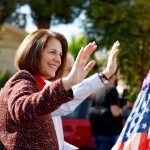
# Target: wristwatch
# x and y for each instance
(102, 77)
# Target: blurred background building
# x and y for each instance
(10, 39)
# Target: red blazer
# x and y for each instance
(25, 120)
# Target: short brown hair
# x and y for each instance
(29, 52)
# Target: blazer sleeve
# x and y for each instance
(26, 102)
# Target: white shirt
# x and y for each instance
(80, 92)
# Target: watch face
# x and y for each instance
(101, 77)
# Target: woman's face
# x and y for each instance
(50, 59)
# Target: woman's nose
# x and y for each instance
(58, 59)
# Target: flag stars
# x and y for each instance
(135, 111)
(147, 110)
(136, 127)
(127, 134)
(141, 117)
(132, 124)
(136, 115)
(129, 118)
(144, 105)
(144, 126)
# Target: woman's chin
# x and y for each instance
(52, 75)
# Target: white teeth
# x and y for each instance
(52, 66)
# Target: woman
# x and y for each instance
(25, 106)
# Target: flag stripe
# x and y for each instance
(135, 141)
(143, 142)
(127, 145)
(136, 132)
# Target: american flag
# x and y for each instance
(136, 132)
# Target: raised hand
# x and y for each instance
(112, 61)
(80, 68)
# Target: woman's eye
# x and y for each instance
(52, 52)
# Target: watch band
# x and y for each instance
(102, 77)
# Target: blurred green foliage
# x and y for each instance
(4, 76)
(76, 44)
(129, 22)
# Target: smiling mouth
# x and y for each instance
(53, 67)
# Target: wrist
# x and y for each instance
(67, 83)
(106, 73)
(102, 77)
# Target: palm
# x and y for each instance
(80, 68)
(112, 59)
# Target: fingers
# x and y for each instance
(89, 49)
(114, 50)
(115, 46)
(89, 66)
(115, 53)
(85, 53)
(79, 54)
